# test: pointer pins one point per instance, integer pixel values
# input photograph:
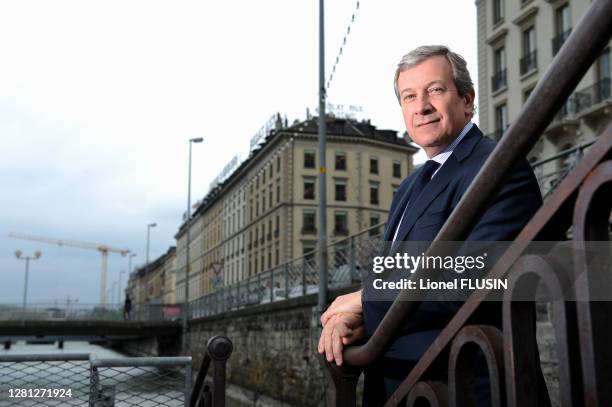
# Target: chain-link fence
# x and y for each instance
(348, 261)
(44, 380)
(85, 380)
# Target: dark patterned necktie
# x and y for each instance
(419, 184)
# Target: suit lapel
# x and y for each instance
(432, 190)
(450, 169)
(398, 211)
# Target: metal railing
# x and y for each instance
(218, 351)
(148, 381)
(529, 62)
(583, 201)
(558, 41)
(593, 95)
(563, 163)
(83, 379)
(347, 261)
(498, 80)
(89, 312)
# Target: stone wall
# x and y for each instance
(274, 349)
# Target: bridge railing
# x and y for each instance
(583, 201)
(90, 312)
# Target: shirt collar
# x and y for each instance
(443, 156)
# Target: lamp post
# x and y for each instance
(119, 288)
(27, 259)
(130, 263)
(186, 303)
(149, 226)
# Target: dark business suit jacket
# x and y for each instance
(509, 212)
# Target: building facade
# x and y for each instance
(266, 212)
(517, 41)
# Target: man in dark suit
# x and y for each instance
(436, 95)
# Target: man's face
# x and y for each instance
(433, 111)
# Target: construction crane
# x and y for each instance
(102, 248)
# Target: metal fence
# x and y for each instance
(89, 312)
(83, 380)
(348, 261)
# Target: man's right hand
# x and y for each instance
(350, 303)
(342, 325)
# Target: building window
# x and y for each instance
(562, 27)
(308, 220)
(397, 169)
(309, 188)
(263, 177)
(270, 169)
(263, 202)
(340, 161)
(340, 223)
(498, 11)
(529, 60)
(277, 257)
(373, 165)
(498, 80)
(309, 159)
(340, 190)
(374, 220)
(374, 194)
(501, 120)
(277, 230)
(271, 195)
(394, 188)
(277, 164)
(277, 192)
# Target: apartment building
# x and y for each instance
(265, 212)
(517, 41)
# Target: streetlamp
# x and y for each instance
(149, 226)
(27, 259)
(186, 303)
(119, 288)
(130, 263)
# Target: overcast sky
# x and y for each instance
(99, 98)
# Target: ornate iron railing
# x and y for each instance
(218, 351)
(583, 201)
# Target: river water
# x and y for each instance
(35, 383)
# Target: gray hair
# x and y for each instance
(461, 75)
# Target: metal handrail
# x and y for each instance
(573, 61)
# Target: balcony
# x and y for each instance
(593, 95)
(529, 62)
(498, 80)
(558, 41)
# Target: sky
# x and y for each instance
(98, 100)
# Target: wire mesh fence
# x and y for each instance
(44, 380)
(84, 380)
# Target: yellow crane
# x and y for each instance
(102, 248)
